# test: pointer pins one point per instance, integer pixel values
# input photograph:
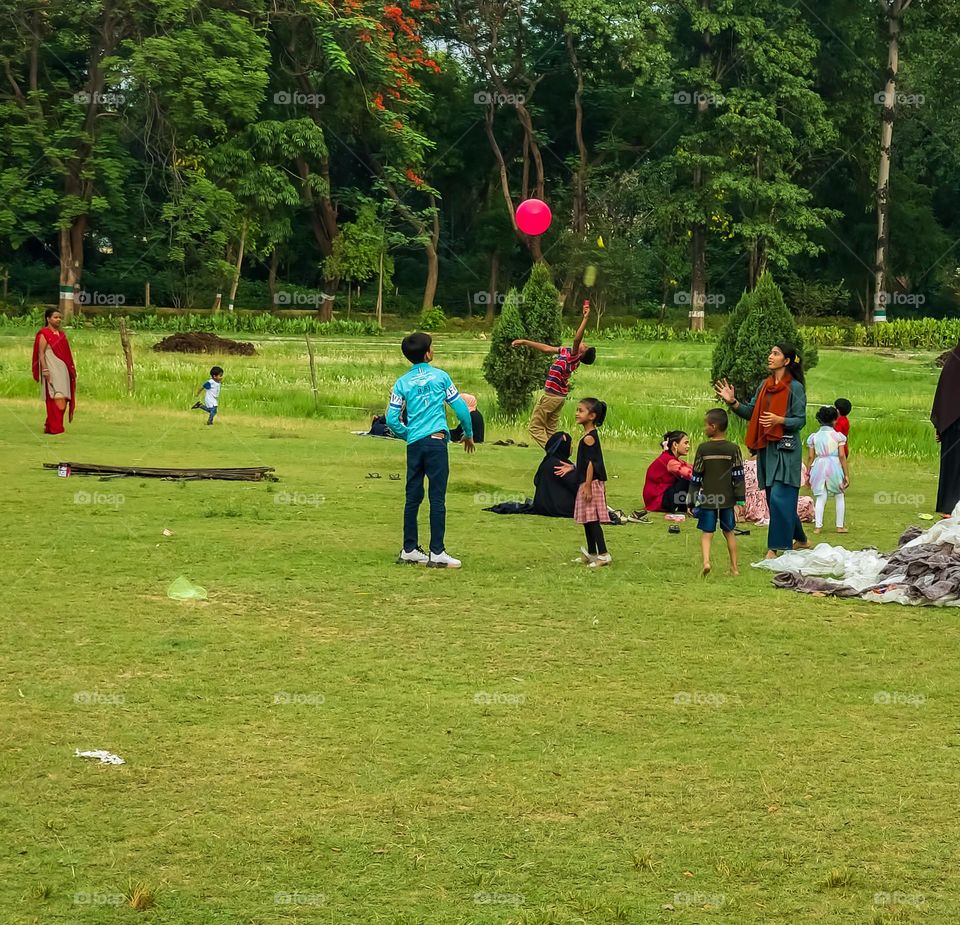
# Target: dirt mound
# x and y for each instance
(204, 342)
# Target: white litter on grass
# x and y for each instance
(859, 569)
(104, 757)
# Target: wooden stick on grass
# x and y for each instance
(313, 372)
(127, 353)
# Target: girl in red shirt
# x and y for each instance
(667, 485)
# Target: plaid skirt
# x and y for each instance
(594, 512)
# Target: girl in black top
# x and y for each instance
(591, 504)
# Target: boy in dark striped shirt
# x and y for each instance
(544, 422)
(718, 486)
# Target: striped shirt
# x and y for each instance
(562, 368)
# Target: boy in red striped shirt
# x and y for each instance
(546, 412)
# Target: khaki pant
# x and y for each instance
(545, 417)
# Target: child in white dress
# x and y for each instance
(829, 475)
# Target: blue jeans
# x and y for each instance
(212, 412)
(426, 458)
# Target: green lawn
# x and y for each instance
(331, 738)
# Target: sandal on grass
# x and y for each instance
(373, 475)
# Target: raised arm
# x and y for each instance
(534, 345)
(578, 337)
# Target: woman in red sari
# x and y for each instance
(53, 368)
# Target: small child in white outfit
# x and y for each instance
(829, 475)
(211, 393)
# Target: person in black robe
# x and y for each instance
(945, 416)
(476, 419)
(554, 494)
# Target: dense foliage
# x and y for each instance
(280, 153)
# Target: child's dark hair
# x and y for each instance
(50, 312)
(588, 356)
(828, 414)
(416, 346)
(843, 406)
(597, 408)
(216, 371)
(671, 437)
(795, 368)
(718, 418)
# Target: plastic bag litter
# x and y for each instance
(860, 569)
(182, 589)
(104, 757)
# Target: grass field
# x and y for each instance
(331, 738)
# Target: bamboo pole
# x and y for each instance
(127, 353)
(313, 372)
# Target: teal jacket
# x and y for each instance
(772, 465)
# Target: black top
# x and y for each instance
(590, 454)
(476, 418)
(555, 495)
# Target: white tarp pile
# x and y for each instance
(924, 570)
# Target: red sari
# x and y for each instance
(61, 350)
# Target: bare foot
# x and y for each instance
(799, 545)
(706, 569)
(817, 530)
(734, 571)
(842, 530)
(773, 554)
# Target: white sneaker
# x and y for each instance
(585, 558)
(442, 560)
(414, 557)
(601, 560)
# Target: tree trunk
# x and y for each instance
(146, 294)
(71, 268)
(698, 237)
(380, 293)
(894, 10)
(433, 260)
(492, 287)
(272, 275)
(236, 275)
(580, 176)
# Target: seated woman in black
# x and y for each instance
(476, 418)
(555, 495)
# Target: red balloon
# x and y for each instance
(533, 216)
